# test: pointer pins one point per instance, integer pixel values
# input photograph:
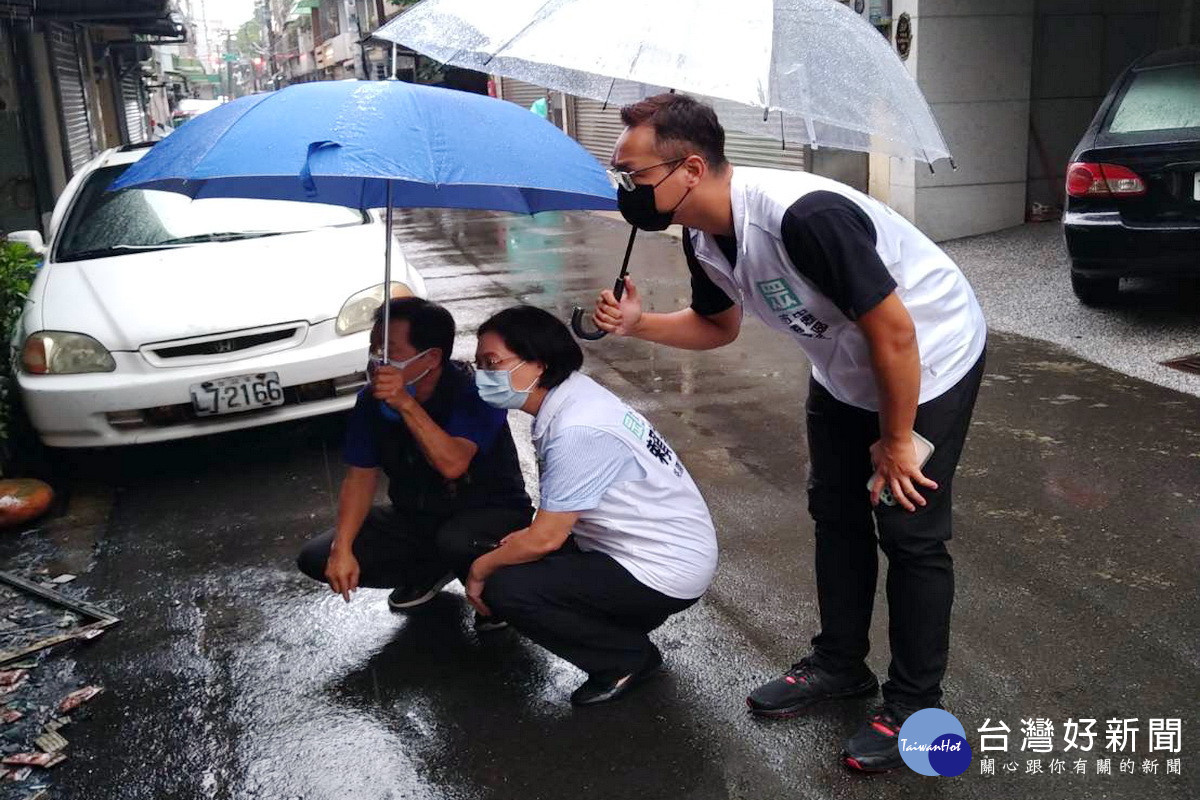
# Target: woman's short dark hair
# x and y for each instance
(536, 335)
(682, 125)
(429, 325)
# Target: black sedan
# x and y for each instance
(1133, 185)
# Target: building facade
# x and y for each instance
(74, 78)
(1013, 84)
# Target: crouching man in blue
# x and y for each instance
(622, 538)
(454, 480)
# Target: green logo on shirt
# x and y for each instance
(778, 294)
(635, 425)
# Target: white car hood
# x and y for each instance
(127, 301)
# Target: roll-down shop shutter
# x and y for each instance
(519, 92)
(78, 141)
(745, 150)
(131, 104)
(597, 129)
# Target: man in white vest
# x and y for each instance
(896, 340)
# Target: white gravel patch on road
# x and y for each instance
(1021, 277)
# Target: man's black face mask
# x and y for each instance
(638, 208)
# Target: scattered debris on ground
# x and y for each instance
(35, 616)
(31, 625)
(77, 698)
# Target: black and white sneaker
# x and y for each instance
(487, 624)
(406, 597)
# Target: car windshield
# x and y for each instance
(105, 223)
(1160, 99)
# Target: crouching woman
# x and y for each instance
(622, 538)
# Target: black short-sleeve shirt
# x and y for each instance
(707, 297)
(831, 243)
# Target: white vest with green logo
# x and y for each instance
(658, 527)
(951, 332)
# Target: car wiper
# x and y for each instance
(116, 249)
(223, 236)
(170, 244)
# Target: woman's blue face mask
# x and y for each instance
(496, 389)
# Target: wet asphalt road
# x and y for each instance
(232, 676)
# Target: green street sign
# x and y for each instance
(231, 57)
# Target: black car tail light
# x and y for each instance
(1085, 179)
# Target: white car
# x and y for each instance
(157, 317)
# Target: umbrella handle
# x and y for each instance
(618, 291)
(577, 314)
(577, 327)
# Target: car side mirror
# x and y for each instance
(31, 239)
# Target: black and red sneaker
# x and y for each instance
(805, 684)
(875, 747)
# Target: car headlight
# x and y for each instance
(63, 353)
(358, 313)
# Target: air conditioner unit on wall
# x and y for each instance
(858, 6)
(879, 13)
(876, 12)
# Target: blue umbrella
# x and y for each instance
(348, 142)
(377, 144)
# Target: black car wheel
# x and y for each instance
(1095, 291)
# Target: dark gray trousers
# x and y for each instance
(920, 573)
(396, 549)
(585, 608)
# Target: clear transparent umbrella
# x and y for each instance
(801, 71)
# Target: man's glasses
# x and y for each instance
(623, 179)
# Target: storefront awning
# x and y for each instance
(148, 17)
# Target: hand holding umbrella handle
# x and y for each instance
(618, 291)
(577, 327)
(577, 315)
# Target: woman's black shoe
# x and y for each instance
(595, 691)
